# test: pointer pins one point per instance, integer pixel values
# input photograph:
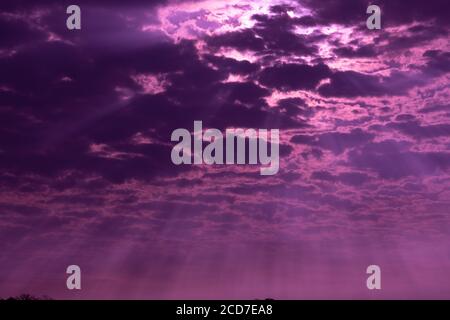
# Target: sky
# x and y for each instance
(86, 176)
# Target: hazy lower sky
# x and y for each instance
(86, 176)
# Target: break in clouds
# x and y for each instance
(87, 176)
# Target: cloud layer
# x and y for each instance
(85, 124)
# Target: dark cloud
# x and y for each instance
(416, 130)
(353, 178)
(241, 40)
(20, 5)
(405, 117)
(14, 31)
(353, 84)
(271, 34)
(232, 66)
(293, 76)
(435, 108)
(365, 51)
(410, 38)
(277, 31)
(438, 62)
(323, 175)
(40, 137)
(295, 107)
(336, 142)
(391, 160)
(394, 12)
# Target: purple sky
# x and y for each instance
(86, 176)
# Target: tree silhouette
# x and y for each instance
(27, 297)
